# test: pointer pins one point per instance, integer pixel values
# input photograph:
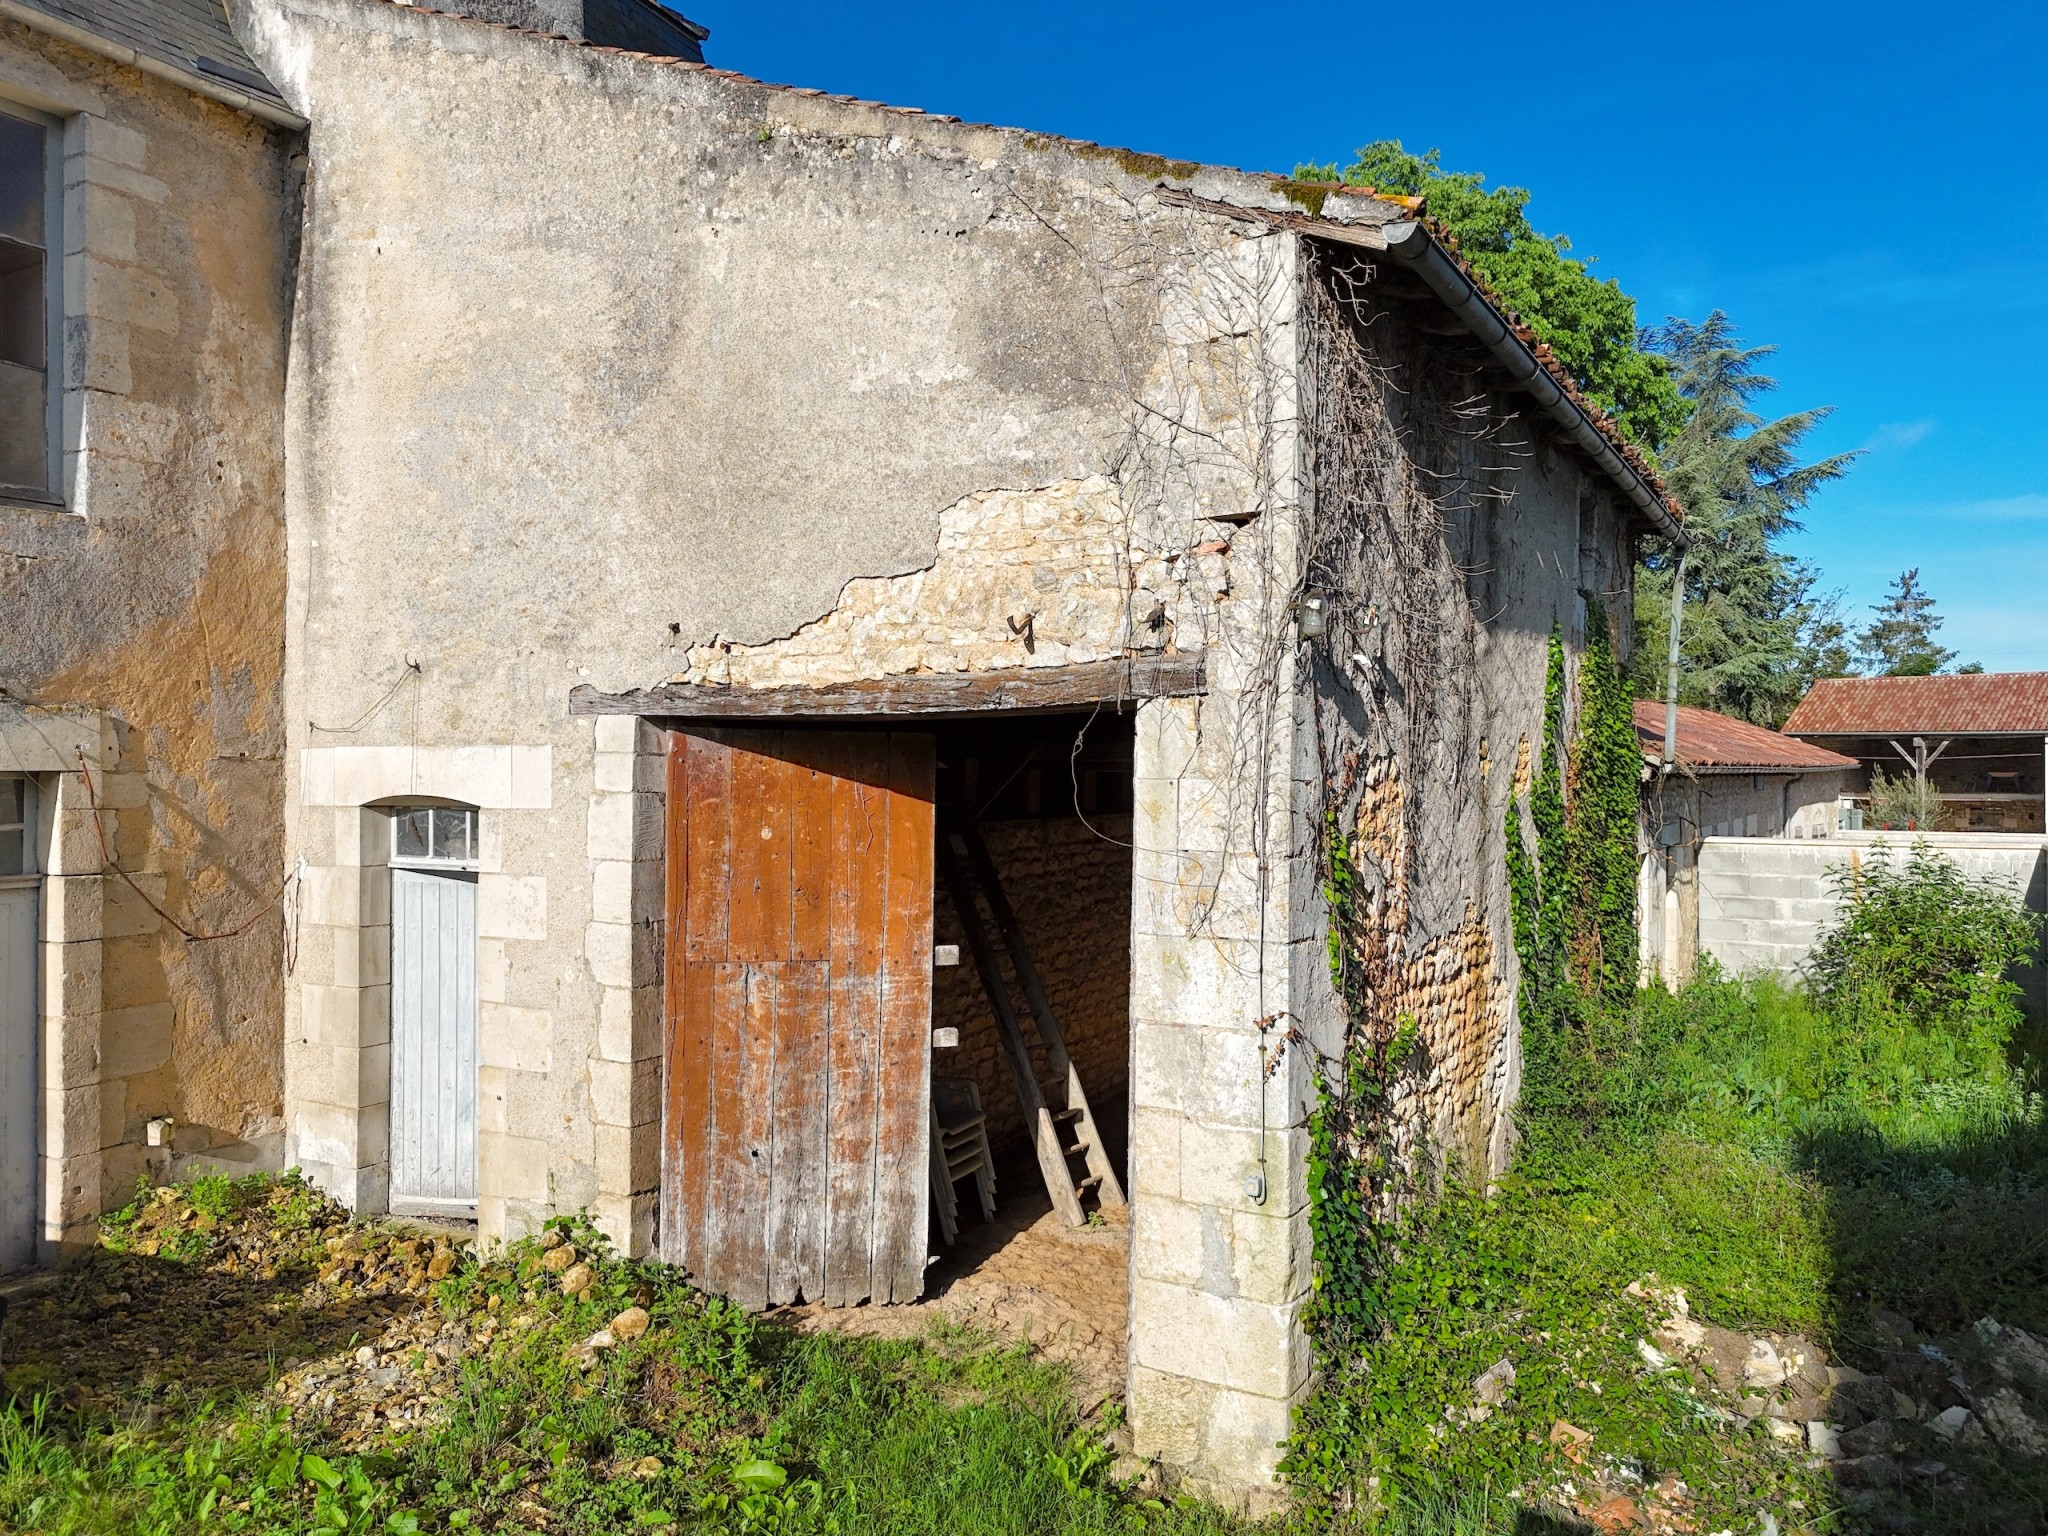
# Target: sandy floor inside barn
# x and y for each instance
(1024, 1275)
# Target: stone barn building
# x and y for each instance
(795, 617)
(1980, 739)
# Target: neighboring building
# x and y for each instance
(687, 503)
(149, 191)
(1982, 735)
(641, 26)
(1732, 780)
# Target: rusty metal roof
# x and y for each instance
(1716, 743)
(1948, 704)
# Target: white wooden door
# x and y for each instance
(433, 1041)
(20, 1056)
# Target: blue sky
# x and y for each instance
(1864, 186)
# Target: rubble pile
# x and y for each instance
(406, 1375)
(1884, 1428)
(345, 1327)
(188, 1298)
(1912, 1423)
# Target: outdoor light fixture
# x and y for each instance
(1311, 616)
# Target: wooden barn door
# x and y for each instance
(796, 1064)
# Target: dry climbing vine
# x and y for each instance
(1410, 452)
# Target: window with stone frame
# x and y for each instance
(17, 824)
(30, 255)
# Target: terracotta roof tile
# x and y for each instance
(1720, 743)
(1951, 704)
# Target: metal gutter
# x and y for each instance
(1412, 245)
(200, 85)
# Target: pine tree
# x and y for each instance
(1755, 632)
(1899, 642)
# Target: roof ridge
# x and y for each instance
(1124, 156)
(1309, 201)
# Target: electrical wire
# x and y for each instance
(412, 670)
(109, 866)
(1074, 777)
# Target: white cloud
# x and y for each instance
(2004, 639)
(2031, 508)
(1892, 436)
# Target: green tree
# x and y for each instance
(1755, 633)
(1899, 642)
(1588, 323)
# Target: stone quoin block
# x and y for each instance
(1226, 1341)
(517, 1039)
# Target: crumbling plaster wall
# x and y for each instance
(607, 371)
(149, 607)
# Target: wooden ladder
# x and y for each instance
(964, 864)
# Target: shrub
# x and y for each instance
(1903, 802)
(1921, 943)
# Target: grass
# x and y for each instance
(713, 1421)
(1791, 1172)
(1795, 1167)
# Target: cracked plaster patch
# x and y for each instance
(1061, 554)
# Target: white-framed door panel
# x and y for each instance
(433, 1030)
(21, 899)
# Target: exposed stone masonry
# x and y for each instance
(1060, 554)
(1072, 893)
(1449, 985)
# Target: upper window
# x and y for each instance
(17, 825)
(433, 834)
(29, 217)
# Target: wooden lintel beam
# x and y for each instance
(1014, 690)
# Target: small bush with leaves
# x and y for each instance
(1920, 942)
(1902, 802)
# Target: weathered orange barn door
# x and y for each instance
(795, 1071)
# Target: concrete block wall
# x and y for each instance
(1764, 902)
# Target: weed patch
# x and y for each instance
(241, 1357)
(1749, 1263)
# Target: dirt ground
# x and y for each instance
(1064, 1289)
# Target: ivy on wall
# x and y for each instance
(1574, 901)
(1572, 913)
(1601, 853)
